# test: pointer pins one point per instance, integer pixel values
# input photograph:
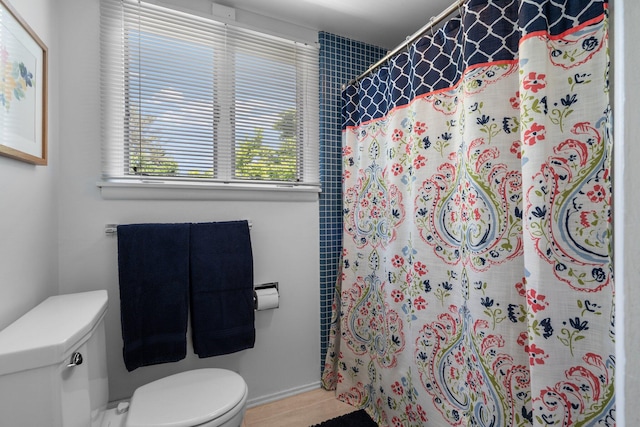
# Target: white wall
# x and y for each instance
(626, 207)
(28, 197)
(284, 237)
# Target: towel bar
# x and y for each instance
(112, 229)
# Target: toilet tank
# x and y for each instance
(42, 380)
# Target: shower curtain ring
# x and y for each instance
(460, 3)
(431, 21)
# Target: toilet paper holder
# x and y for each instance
(258, 289)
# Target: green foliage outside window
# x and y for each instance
(146, 154)
(255, 158)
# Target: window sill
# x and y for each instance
(140, 190)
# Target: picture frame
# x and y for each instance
(23, 89)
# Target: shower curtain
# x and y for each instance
(476, 279)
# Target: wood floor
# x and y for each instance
(302, 410)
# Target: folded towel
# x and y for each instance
(153, 270)
(222, 309)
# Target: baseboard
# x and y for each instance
(282, 394)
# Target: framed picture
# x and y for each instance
(23, 89)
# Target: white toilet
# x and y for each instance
(53, 372)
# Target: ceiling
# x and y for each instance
(384, 23)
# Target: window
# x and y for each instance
(187, 99)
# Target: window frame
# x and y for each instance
(116, 185)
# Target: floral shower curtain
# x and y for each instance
(475, 285)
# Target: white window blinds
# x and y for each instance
(189, 99)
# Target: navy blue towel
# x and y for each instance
(153, 270)
(222, 309)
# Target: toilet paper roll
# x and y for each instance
(267, 298)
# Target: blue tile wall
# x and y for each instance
(341, 60)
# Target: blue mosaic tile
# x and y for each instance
(341, 60)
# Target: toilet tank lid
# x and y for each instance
(51, 331)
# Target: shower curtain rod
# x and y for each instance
(432, 22)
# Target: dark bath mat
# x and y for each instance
(354, 419)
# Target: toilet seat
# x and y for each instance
(186, 399)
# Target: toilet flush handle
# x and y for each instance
(76, 359)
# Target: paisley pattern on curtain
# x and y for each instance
(475, 285)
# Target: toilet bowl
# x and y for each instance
(53, 372)
(202, 397)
